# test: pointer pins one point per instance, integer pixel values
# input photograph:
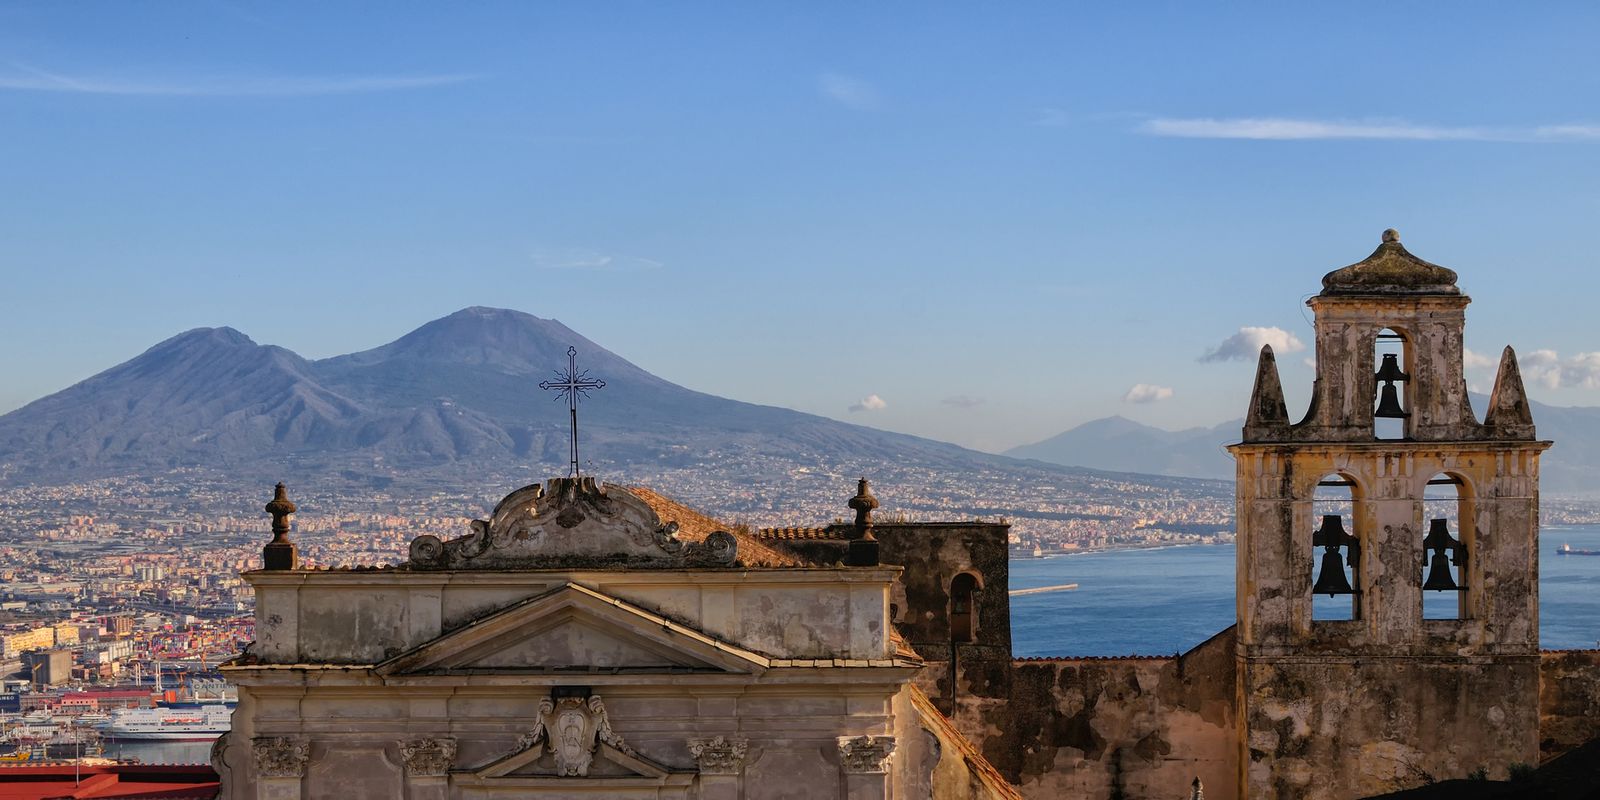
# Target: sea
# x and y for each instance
(1165, 600)
(1160, 601)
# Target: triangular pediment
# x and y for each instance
(573, 628)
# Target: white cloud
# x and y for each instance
(1548, 369)
(848, 92)
(582, 259)
(1246, 344)
(871, 402)
(963, 401)
(1290, 129)
(24, 78)
(1147, 393)
(1473, 360)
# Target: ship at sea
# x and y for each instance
(1568, 550)
(194, 723)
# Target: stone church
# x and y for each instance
(594, 640)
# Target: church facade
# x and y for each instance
(578, 644)
(602, 641)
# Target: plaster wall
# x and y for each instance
(1569, 700)
(367, 617)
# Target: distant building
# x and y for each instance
(48, 667)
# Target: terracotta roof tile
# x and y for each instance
(694, 526)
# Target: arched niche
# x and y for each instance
(1392, 342)
(1447, 549)
(964, 588)
(1334, 522)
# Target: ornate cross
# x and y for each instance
(572, 385)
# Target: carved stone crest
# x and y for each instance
(429, 755)
(572, 729)
(280, 756)
(865, 754)
(571, 522)
(719, 755)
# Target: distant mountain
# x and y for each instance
(1119, 443)
(1572, 466)
(459, 395)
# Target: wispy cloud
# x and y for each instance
(25, 78)
(578, 258)
(1472, 360)
(1147, 393)
(871, 402)
(1292, 129)
(1245, 344)
(1548, 369)
(848, 92)
(963, 401)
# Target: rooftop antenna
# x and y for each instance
(572, 385)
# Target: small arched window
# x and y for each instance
(963, 607)
(1447, 528)
(1335, 564)
(1391, 416)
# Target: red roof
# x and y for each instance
(109, 782)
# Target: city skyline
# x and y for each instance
(978, 228)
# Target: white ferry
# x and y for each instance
(194, 724)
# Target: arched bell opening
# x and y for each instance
(1446, 540)
(1335, 550)
(964, 588)
(1391, 414)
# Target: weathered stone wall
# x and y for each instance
(1569, 700)
(1107, 727)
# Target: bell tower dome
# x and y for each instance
(1358, 705)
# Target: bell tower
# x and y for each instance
(1386, 696)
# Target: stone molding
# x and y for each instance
(719, 755)
(429, 756)
(280, 756)
(865, 754)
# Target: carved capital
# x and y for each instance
(429, 755)
(719, 755)
(280, 756)
(865, 754)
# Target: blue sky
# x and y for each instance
(1000, 221)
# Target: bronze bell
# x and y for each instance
(1389, 398)
(1331, 536)
(1332, 581)
(1440, 542)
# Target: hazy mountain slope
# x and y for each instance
(209, 395)
(1572, 466)
(461, 392)
(1118, 443)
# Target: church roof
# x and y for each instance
(694, 526)
(1391, 269)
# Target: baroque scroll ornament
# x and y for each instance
(865, 754)
(719, 755)
(573, 728)
(429, 755)
(280, 756)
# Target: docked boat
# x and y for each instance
(1568, 550)
(194, 724)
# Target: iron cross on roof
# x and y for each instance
(572, 385)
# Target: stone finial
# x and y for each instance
(1196, 791)
(1268, 416)
(865, 754)
(1389, 235)
(279, 553)
(863, 549)
(1509, 416)
(719, 755)
(429, 756)
(863, 504)
(280, 756)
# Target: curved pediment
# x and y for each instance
(572, 522)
